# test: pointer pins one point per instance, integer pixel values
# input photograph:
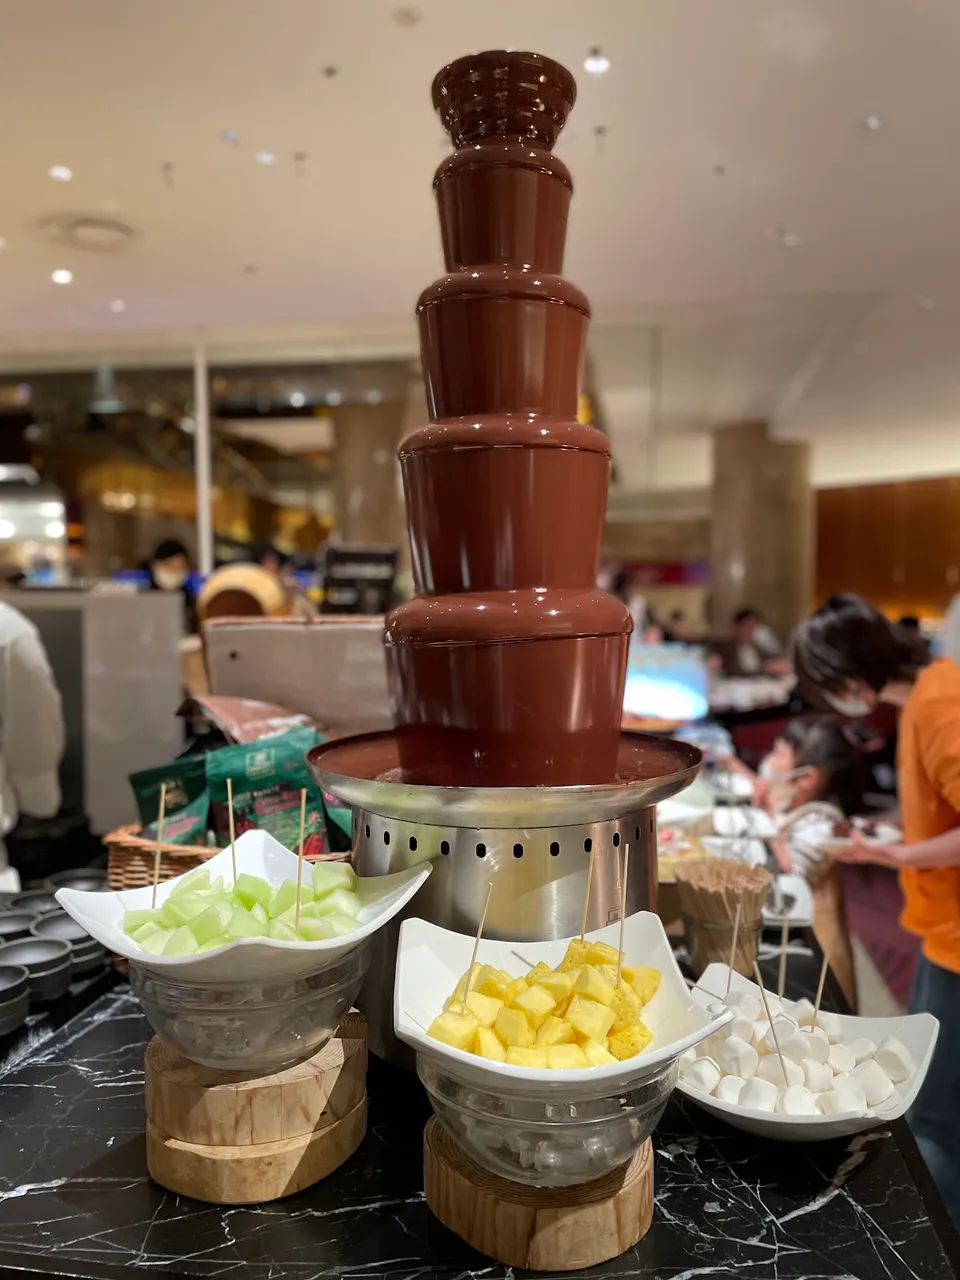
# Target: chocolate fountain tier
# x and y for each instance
(504, 94)
(503, 201)
(508, 688)
(495, 502)
(502, 339)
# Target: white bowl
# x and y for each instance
(917, 1031)
(431, 960)
(258, 854)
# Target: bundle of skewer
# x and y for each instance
(721, 902)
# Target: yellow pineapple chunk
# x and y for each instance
(488, 1046)
(594, 985)
(602, 953)
(576, 955)
(566, 1057)
(590, 1020)
(537, 972)
(554, 1031)
(630, 1041)
(513, 990)
(493, 982)
(560, 985)
(455, 1029)
(460, 990)
(609, 971)
(644, 980)
(626, 1007)
(598, 1055)
(527, 1058)
(537, 1003)
(483, 1008)
(513, 1029)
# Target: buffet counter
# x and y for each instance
(76, 1201)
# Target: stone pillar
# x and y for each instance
(762, 541)
(365, 489)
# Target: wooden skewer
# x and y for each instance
(773, 1030)
(476, 945)
(733, 945)
(782, 974)
(586, 901)
(623, 910)
(816, 1003)
(156, 854)
(233, 829)
(303, 827)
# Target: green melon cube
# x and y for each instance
(156, 944)
(212, 944)
(260, 913)
(224, 909)
(206, 925)
(341, 924)
(243, 925)
(340, 902)
(313, 930)
(250, 889)
(284, 896)
(328, 876)
(181, 943)
(134, 919)
(180, 908)
(196, 882)
(280, 931)
(218, 885)
(144, 931)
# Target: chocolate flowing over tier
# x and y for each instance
(507, 669)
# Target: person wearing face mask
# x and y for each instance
(169, 569)
(850, 657)
(811, 781)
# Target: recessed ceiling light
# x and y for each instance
(61, 276)
(788, 239)
(59, 173)
(925, 302)
(596, 62)
(7, 528)
(266, 157)
(872, 123)
(250, 269)
(230, 137)
(333, 397)
(298, 399)
(406, 16)
(52, 510)
(330, 71)
(373, 396)
(118, 305)
(55, 529)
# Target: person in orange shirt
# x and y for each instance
(848, 656)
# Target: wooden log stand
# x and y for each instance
(227, 1138)
(536, 1228)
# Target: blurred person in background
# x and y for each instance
(32, 733)
(754, 650)
(169, 570)
(280, 566)
(850, 657)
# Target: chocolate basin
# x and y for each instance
(497, 502)
(511, 688)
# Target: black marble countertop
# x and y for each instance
(76, 1201)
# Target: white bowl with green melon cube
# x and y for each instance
(206, 928)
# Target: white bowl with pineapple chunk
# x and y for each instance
(256, 939)
(867, 1038)
(431, 962)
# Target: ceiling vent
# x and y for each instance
(89, 232)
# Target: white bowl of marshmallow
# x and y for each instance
(843, 1074)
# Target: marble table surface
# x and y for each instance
(76, 1201)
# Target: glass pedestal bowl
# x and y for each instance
(260, 1027)
(547, 1141)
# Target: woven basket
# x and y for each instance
(130, 858)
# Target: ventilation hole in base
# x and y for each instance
(555, 849)
(587, 845)
(616, 839)
(481, 850)
(518, 850)
(366, 830)
(444, 847)
(386, 837)
(413, 844)
(636, 834)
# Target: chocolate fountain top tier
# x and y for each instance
(496, 94)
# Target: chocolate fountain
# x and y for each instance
(508, 765)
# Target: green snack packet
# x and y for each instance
(187, 808)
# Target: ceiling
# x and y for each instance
(750, 245)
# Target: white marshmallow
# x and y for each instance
(706, 1048)
(831, 1024)
(802, 1010)
(737, 1058)
(746, 1003)
(685, 1059)
(769, 1069)
(894, 1057)
(758, 1095)
(702, 1075)
(840, 1100)
(716, 1009)
(760, 1029)
(783, 1026)
(841, 1059)
(818, 1046)
(863, 1048)
(877, 1085)
(850, 1083)
(729, 1088)
(740, 1027)
(795, 1046)
(797, 1101)
(817, 1076)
